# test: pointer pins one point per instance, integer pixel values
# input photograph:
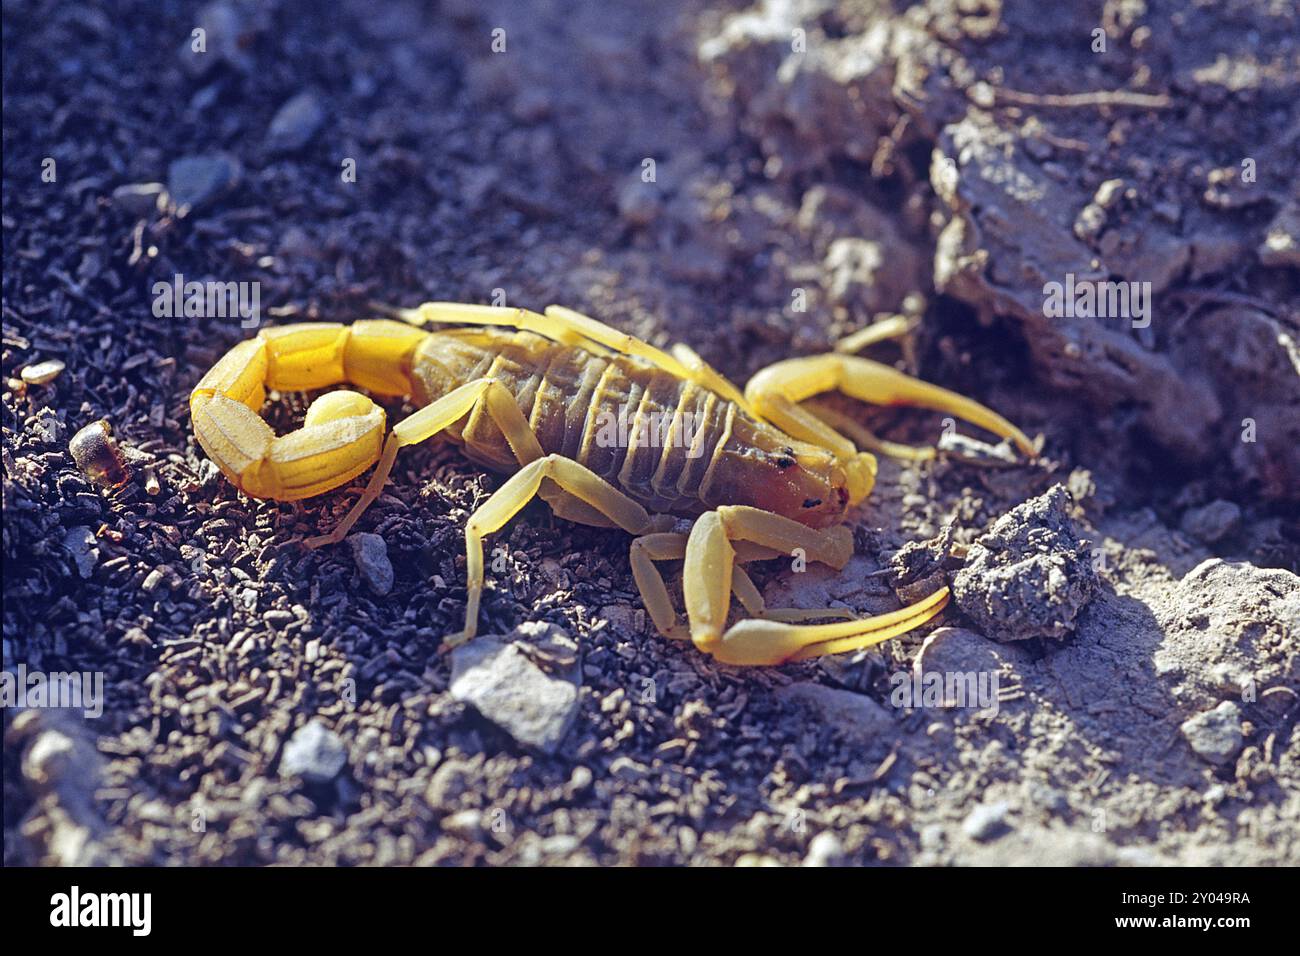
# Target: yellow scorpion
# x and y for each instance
(763, 473)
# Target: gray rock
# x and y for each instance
(871, 275)
(1215, 734)
(496, 677)
(228, 29)
(142, 200)
(852, 714)
(194, 181)
(1228, 630)
(1030, 574)
(986, 821)
(370, 552)
(956, 649)
(825, 849)
(295, 123)
(46, 427)
(80, 542)
(314, 752)
(1213, 522)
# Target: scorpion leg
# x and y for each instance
(574, 479)
(663, 546)
(670, 546)
(708, 583)
(431, 420)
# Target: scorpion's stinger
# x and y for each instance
(429, 421)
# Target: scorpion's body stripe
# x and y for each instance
(700, 450)
(680, 433)
(706, 483)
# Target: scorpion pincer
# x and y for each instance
(764, 473)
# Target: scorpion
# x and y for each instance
(764, 473)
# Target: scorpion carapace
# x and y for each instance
(609, 430)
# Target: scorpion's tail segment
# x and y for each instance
(429, 421)
(776, 391)
(343, 432)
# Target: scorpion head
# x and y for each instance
(767, 469)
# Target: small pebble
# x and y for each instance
(370, 552)
(196, 180)
(43, 372)
(314, 752)
(296, 122)
(580, 779)
(932, 837)
(562, 844)
(466, 824)
(80, 542)
(143, 200)
(277, 618)
(825, 849)
(1215, 735)
(986, 821)
(639, 203)
(1091, 222)
(1108, 193)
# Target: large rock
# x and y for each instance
(1030, 574)
(853, 715)
(1230, 630)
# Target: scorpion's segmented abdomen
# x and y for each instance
(667, 442)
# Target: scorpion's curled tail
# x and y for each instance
(343, 432)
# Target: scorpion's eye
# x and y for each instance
(784, 461)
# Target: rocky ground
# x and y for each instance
(815, 164)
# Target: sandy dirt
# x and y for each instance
(1130, 599)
